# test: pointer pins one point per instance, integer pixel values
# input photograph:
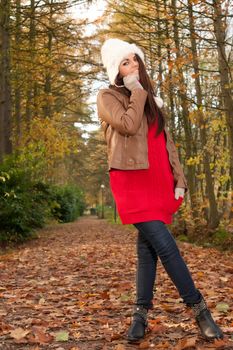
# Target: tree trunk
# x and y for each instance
(182, 93)
(225, 78)
(32, 35)
(47, 86)
(158, 29)
(213, 211)
(5, 88)
(169, 78)
(18, 116)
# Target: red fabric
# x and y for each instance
(148, 194)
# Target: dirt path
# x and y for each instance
(73, 288)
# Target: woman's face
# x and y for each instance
(129, 65)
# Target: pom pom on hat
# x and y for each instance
(113, 51)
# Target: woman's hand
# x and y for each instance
(179, 192)
(131, 82)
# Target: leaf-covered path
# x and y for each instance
(74, 287)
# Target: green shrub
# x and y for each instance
(70, 203)
(27, 203)
(23, 205)
(221, 236)
(183, 238)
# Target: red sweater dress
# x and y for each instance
(147, 194)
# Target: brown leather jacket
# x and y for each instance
(125, 129)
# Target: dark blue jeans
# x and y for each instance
(155, 241)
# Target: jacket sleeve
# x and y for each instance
(111, 110)
(179, 177)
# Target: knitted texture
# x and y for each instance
(148, 194)
(113, 51)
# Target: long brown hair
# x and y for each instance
(151, 109)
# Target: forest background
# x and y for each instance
(53, 166)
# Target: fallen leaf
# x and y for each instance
(41, 301)
(4, 327)
(104, 294)
(219, 343)
(2, 313)
(62, 336)
(223, 279)
(158, 328)
(119, 347)
(19, 333)
(144, 345)
(124, 297)
(165, 345)
(222, 307)
(186, 343)
(77, 335)
(95, 306)
(38, 335)
(155, 321)
(115, 336)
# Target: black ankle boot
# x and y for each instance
(209, 329)
(138, 325)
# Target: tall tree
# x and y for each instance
(213, 212)
(220, 30)
(17, 76)
(5, 86)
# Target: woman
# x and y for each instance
(147, 180)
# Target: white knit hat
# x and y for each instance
(113, 51)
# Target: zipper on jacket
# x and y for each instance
(125, 140)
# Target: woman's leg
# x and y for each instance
(145, 278)
(160, 239)
(146, 272)
(163, 243)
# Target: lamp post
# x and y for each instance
(102, 201)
